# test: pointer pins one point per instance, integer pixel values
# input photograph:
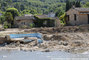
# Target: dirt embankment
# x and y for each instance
(70, 42)
(69, 29)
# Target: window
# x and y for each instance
(75, 17)
(23, 23)
(68, 17)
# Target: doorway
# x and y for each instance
(88, 18)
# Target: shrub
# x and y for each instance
(62, 18)
(24, 26)
(31, 25)
(7, 25)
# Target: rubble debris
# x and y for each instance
(25, 38)
(2, 40)
(68, 38)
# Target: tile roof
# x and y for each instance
(24, 18)
(42, 16)
(82, 9)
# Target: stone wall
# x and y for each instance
(57, 23)
(83, 19)
(80, 18)
(71, 13)
(27, 23)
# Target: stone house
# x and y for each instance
(23, 21)
(77, 16)
(46, 21)
(38, 21)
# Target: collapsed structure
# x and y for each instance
(25, 38)
(36, 21)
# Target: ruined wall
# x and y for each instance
(20, 23)
(57, 23)
(50, 22)
(83, 19)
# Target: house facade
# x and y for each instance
(46, 21)
(23, 21)
(37, 21)
(77, 16)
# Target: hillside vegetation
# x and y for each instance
(36, 6)
(12, 8)
(33, 6)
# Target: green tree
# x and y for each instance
(10, 14)
(25, 12)
(68, 5)
(9, 1)
(22, 7)
(2, 19)
(17, 6)
(86, 5)
(13, 11)
(78, 4)
(33, 11)
(9, 18)
(59, 13)
(7, 25)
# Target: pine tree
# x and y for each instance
(68, 5)
(78, 4)
(71, 4)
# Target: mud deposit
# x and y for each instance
(68, 39)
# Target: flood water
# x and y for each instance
(56, 55)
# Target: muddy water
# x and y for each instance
(56, 55)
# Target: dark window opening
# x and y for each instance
(23, 23)
(68, 17)
(88, 19)
(75, 17)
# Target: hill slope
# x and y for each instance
(35, 6)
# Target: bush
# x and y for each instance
(7, 25)
(10, 14)
(31, 25)
(2, 19)
(24, 26)
(62, 18)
